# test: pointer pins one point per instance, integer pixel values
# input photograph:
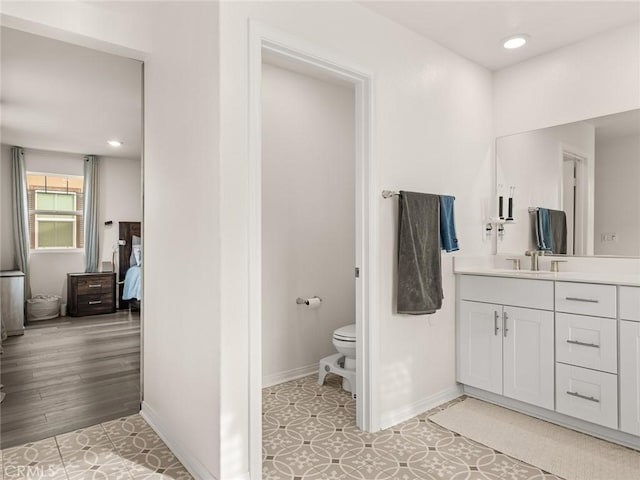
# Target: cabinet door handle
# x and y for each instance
(95, 302)
(95, 285)
(505, 317)
(496, 328)
(586, 300)
(583, 344)
(584, 397)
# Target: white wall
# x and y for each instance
(532, 162)
(120, 200)
(595, 77)
(432, 133)
(182, 247)
(308, 218)
(179, 43)
(617, 173)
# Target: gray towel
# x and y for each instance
(419, 273)
(558, 224)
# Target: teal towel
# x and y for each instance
(543, 230)
(448, 237)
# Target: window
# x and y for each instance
(55, 211)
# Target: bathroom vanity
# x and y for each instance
(564, 347)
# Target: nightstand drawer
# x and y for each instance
(93, 285)
(96, 303)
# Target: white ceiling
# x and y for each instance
(65, 98)
(476, 29)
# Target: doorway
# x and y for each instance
(269, 43)
(79, 363)
(574, 190)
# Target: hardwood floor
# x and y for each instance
(69, 373)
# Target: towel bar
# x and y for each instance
(391, 194)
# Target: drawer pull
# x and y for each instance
(586, 300)
(496, 328)
(583, 344)
(95, 285)
(505, 317)
(95, 302)
(584, 397)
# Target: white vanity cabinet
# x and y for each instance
(505, 348)
(587, 352)
(562, 347)
(630, 360)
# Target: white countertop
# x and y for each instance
(626, 279)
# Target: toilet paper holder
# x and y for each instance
(305, 301)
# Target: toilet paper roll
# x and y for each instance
(313, 302)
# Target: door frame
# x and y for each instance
(584, 198)
(263, 38)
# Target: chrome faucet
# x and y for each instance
(535, 255)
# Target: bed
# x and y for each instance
(132, 289)
(129, 265)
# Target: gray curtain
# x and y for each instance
(20, 215)
(91, 247)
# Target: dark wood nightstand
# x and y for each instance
(91, 293)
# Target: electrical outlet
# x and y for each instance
(609, 237)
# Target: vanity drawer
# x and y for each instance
(589, 342)
(587, 394)
(516, 292)
(630, 303)
(586, 299)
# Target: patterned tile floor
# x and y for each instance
(309, 432)
(123, 449)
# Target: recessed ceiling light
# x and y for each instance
(114, 143)
(515, 41)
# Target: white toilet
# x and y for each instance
(343, 363)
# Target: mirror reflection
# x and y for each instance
(576, 187)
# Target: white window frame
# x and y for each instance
(75, 213)
(73, 220)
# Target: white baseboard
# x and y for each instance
(281, 377)
(195, 468)
(399, 415)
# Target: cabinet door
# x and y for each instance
(528, 356)
(480, 346)
(12, 303)
(630, 377)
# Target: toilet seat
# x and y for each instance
(346, 333)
